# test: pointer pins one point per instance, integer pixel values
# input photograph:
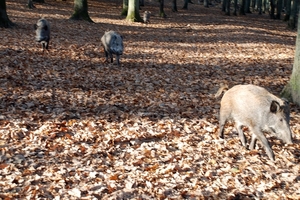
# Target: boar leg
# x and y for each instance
(224, 115)
(221, 125)
(241, 134)
(106, 55)
(253, 142)
(118, 59)
(259, 135)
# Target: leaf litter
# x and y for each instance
(74, 127)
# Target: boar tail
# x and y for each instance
(223, 86)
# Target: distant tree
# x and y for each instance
(242, 7)
(142, 3)
(81, 11)
(133, 11)
(125, 8)
(279, 9)
(226, 7)
(205, 3)
(185, 5)
(247, 6)
(174, 6)
(272, 10)
(292, 89)
(293, 16)
(30, 4)
(4, 20)
(287, 10)
(161, 8)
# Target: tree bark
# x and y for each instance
(133, 11)
(30, 4)
(81, 11)
(242, 7)
(292, 89)
(279, 9)
(185, 5)
(39, 1)
(161, 8)
(125, 8)
(292, 20)
(287, 10)
(205, 3)
(174, 6)
(4, 20)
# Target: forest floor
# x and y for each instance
(75, 127)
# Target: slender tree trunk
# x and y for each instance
(185, 5)
(39, 1)
(174, 6)
(287, 10)
(205, 3)
(259, 6)
(292, 89)
(81, 11)
(247, 6)
(227, 7)
(235, 5)
(272, 11)
(133, 11)
(242, 7)
(292, 20)
(4, 20)
(279, 9)
(161, 8)
(142, 3)
(30, 4)
(125, 8)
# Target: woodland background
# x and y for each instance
(74, 127)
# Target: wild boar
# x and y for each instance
(113, 44)
(146, 17)
(259, 110)
(42, 29)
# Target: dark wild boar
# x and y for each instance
(42, 29)
(259, 110)
(146, 17)
(113, 44)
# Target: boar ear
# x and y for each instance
(274, 106)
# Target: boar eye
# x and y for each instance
(281, 120)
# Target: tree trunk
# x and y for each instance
(161, 8)
(292, 89)
(4, 20)
(174, 6)
(39, 1)
(185, 5)
(292, 20)
(247, 6)
(205, 3)
(235, 5)
(125, 8)
(133, 11)
(287, 10)
(272, 10)
(81, 11)
(279, 9)
(242, 7)
(30, 4)
(142, 3)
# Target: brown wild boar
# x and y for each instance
(259, 110)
